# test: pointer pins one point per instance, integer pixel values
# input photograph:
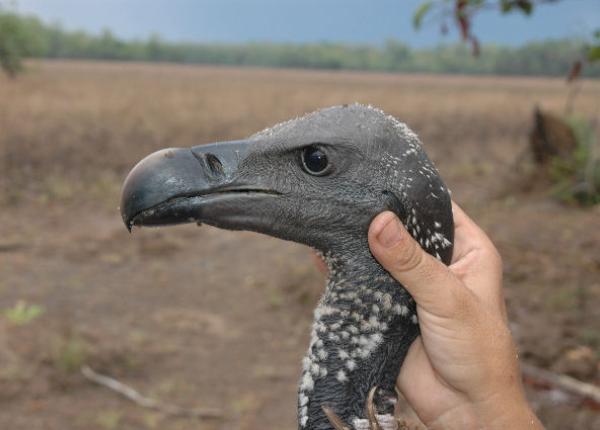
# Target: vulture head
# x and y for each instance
(318, 180)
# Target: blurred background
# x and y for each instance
(504, 94)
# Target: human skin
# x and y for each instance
(462, 372)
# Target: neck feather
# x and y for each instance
(363, 326)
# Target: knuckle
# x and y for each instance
(491, 254)
(409, 258)
(493, 260)
(460, 270)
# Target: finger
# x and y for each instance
(320, 263)
(430, 282)
(468, 235)
(476, 261)
(415, 359)
(419, 383)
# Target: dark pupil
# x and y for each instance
(315, 160)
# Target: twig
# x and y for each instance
(334, 419)
(11, 247)
(371, 412)
(566, 383)
(146, 402)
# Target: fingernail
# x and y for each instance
(391, 233)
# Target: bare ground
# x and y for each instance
(208, 318)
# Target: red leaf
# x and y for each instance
(462, 19)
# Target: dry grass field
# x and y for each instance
(206, 318)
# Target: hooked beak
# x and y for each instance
(199, 184)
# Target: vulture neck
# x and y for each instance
(363, 326)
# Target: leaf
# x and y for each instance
(465, 26)
(23, 313)
(525, 6)
(593, 53)
(421, 12)
(506, 6)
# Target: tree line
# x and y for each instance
(30, 37)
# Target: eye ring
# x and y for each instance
(315, 161)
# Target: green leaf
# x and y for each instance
(421, 12)
(593, 53)
(23, 313)
(525, 6)
(506, 6)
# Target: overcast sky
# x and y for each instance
(351, 21)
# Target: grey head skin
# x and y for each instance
(318, 180)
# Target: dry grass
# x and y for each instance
(65, 123)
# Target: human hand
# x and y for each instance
(462, 372)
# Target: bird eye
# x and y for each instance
(314, 160)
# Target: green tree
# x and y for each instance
(16, 41)
(31, 37)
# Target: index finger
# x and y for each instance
(475, 259)
(467, 235)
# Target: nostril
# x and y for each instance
(214, 164)
(211, 161)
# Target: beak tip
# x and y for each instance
(128, 224)
(127, 219)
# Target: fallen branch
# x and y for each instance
(146, 402)
(573, 386)
(11, 247)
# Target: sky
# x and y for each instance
(369, 22)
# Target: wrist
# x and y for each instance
(502, 411)
(510, 410)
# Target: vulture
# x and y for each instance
(318, 180)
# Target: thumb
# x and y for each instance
(428, 280)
